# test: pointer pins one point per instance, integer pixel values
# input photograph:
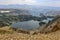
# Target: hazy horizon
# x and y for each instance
(52, 3)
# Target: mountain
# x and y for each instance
(34, 10)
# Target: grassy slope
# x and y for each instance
(7, 34)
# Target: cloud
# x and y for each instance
(17, 2)
(32, 2)
(52, 3)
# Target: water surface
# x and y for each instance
(26, 25)
(29, 25)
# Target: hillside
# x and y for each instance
(7, 34)
(52, 28)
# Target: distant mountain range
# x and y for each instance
(17, 6)
(35, 10)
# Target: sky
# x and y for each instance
(55, 3)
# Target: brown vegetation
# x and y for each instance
(52, 26)
(20, 36)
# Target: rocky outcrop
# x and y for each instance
(52, 26)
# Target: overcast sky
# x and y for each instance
(32, 2)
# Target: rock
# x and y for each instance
(52, 26)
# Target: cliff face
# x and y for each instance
(52, 26)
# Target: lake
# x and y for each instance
(26, 25)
